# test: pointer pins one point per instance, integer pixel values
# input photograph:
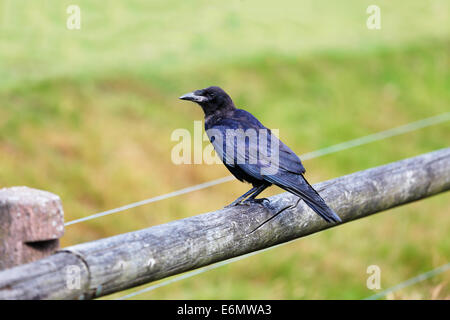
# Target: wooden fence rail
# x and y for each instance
(101, 267)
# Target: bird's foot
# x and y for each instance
(249, 202)
(234, 203)
(262, 201)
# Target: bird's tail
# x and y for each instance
(307, 193)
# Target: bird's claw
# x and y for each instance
(249, 202)
(234, 204)
(259, 201)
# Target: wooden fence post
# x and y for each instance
(31, 223)
(97, 268)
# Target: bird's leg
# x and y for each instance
(259, 189)
(245, 195)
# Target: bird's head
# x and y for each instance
(211, 99)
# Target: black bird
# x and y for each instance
(247, 159)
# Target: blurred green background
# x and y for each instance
(88, 114)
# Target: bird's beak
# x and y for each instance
(192, 97)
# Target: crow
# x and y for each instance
(252, 153)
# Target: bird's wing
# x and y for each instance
(252, 147)
(234, 154)
(289, 160)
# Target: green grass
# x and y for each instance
(144, 37)
(88, 115)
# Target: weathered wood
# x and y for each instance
(31, 223)
(116, 263)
